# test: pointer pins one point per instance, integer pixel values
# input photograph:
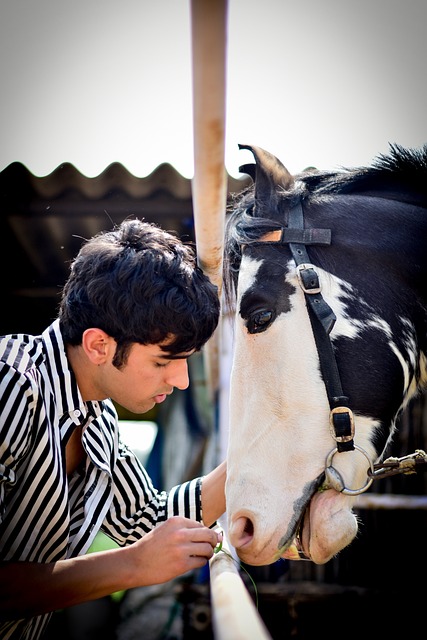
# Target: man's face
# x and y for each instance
(148, 377)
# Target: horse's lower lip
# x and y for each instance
(296, 551)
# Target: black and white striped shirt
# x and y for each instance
(45, 516)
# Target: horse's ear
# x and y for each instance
(250, 169)
(268, 173)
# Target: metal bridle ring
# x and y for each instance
(334, 479)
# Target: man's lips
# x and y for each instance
(160, 398)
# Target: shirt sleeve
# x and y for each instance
(15, 416)
(137, 506)
(185, 500)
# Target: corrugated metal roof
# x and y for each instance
(45, 218)
(66, 176)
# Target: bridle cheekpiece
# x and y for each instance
(322, 318)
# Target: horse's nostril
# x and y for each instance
(241, 532)
(249, 527)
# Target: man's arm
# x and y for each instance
(213, 494)
(174, 547)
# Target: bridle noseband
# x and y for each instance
(322, 320)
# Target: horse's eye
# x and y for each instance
(259, 321)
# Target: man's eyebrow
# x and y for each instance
(172, 356)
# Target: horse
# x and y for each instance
(325, 277)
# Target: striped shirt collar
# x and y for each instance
(68, 398)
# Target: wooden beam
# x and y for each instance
(209, 184)
(386, 501)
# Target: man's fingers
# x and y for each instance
(202, 550)
(205, 534)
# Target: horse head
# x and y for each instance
(325, 273)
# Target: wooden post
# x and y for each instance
(234, 616)
(234, 613)
(209, 184)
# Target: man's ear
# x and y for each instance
(97, 345)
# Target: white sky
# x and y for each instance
(326, 83)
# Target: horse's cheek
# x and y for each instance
(332, 525)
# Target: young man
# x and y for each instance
(133, 309)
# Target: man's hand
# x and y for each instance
(174, 547)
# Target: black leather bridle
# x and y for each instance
(322, 320)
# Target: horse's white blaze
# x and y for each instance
(291, 440)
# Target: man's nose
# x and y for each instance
(178, 374)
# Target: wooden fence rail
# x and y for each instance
(234, 614)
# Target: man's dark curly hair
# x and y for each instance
(139, 283)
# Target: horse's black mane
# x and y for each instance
(401, 169)
(398, 174)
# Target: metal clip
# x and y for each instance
(406, 464)
(309, 283)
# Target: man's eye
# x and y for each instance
(259, 321)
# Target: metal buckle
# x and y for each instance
(303, 267)
(335, 411)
